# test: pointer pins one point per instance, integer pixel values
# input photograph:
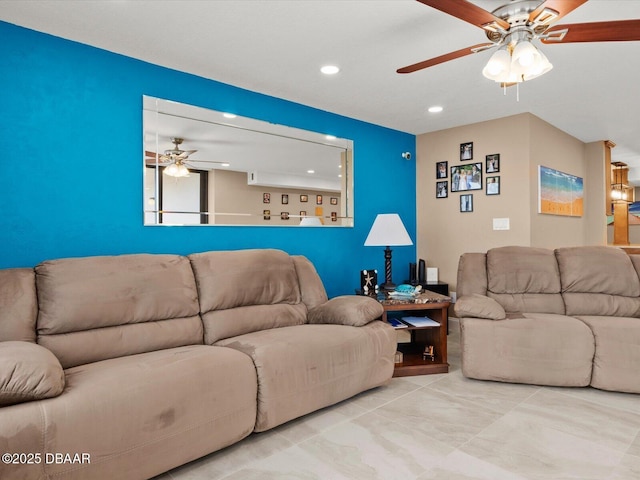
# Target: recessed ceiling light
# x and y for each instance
(329, 69)
(229, 115)
(225, 164)
(311, 171)
(330, 137)
(435, 109)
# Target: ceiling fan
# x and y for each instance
(176, 158)
(513, 26)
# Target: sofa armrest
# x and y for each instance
(28, 372)
(352, 310)
(479, 306)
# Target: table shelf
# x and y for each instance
(413, 362)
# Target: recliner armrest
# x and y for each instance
(352, 310)
(479, 306)
(28, 372)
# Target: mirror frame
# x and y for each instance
(243, 130)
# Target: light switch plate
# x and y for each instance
(501, 224)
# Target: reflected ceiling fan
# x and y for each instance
(512, 28)
(176, 159)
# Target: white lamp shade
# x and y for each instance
(310, 222)
(387, 230)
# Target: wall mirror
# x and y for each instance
(204, 167)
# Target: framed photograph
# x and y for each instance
(466, 177)
(304, 198)
(285, 198)
(442, 169)
(466, 203)
(266, 214)
(334, 200)
(466, 151)
(303, 213)
(266, 198)
(318, 199)
(334, 216)
(284, 215)
(442, 189)
(493, 163)
(493, 185)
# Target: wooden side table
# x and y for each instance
(414, 361)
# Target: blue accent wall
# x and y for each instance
(71, 176)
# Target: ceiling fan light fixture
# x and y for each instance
(176, 170)
(539, 68)
(498, 65)
(525, 53)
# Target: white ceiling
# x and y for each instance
(276, 47)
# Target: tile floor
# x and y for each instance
(444, 427)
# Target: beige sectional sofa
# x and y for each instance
(569, 316)
(128, 366)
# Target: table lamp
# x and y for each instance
(387, 231)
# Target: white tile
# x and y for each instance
(372, 447)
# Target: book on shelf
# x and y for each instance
(420, 322)
(395, 323)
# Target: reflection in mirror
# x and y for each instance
(203, 167)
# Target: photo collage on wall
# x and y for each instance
(467, 176)
(285, 200)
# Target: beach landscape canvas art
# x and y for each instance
(559, 193)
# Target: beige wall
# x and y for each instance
(230, 193)
(524, 142)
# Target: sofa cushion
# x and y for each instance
(307, 367)
(352, 310)
(617, 356)
(148, 413)
(522, 269)
(18, 305)
(524, 279)
(536, 348)
(95, 308)
(245, 291)
(28, 372)
(479, 306)
(219, 324)
(597, 270)
(229, 279)
(598, 281)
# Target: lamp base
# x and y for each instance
(388, 287)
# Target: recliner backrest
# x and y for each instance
(244, 291)
(96, 308)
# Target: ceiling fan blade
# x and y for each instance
(152, 161)
(148, 153)
(561, 7)
(445, 58)
(206, 161)
(468, 12)
(615, 31)
(185, 154)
